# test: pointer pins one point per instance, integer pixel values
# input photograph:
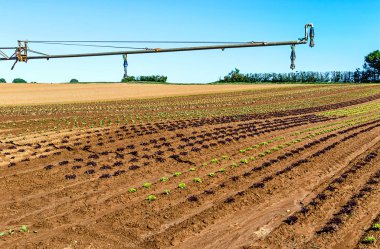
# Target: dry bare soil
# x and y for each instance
(217, 167)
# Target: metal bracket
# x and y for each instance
(22, 51)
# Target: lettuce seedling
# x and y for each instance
(369, 240)
(176, 174)
(166, 192)
(182, 185)
(147, 185)
(24, 229)
(376, 227)
(197, 180)
(151, 198)
(164, 179)
(132, 190)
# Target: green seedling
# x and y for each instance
(242, 151)
(147, 185)
(376, 227)
(234, 165)
(151, 198)
(222, 170)
(192, 169)
(166, 192)
(132, 190)
(182, 185)
(164, 179)
(244, 161)
(3, 234)
(176, 174)
(211, 174)
(252, 158)
(215, 160)
(369, 240)
(262, 154)
(197, 180)
(24, 229)
(224, 157)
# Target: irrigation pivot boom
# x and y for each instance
(22, 51)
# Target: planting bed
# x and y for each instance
(285, 167)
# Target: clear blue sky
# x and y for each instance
(345, 32)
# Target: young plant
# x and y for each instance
(164, 179)
(176, 174)
(234, 165)
(197, 180)
(244, 161)
(147, 185)
(215, 160)
(182, 185)
(24, 229)
(369, 240)
(376, 227)
(166, 192)
(151, 198)
(222, 170)
(211, 174)
(224, 157)
(132, 190)
(192, 169)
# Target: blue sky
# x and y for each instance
(345, 32)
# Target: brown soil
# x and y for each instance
(71, 188)
(21, 94)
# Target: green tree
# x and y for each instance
(18, 80)
(2, 80)
(372, 61)
(74, 81)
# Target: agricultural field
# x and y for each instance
(260, 166)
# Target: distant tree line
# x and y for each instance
(370, 73)
(17, 80)
(303, 77)
(152, 78)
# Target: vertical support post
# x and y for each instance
(125, 57)
(293, 57)
(311, 36)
